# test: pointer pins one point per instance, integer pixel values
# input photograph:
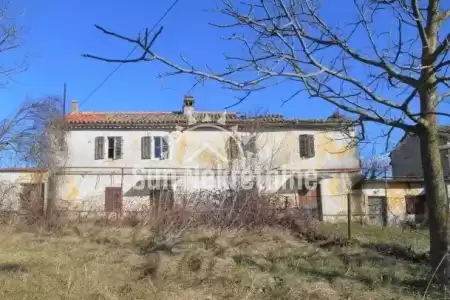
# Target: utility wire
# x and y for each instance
(128, 56)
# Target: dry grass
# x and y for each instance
(104, 263)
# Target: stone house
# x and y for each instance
(119, 161)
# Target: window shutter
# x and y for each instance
(146, 147)
(249, 144)
(310, 145)
(165, 147)
(118, 147)
(99, 147)
(302, 145)
(306, 145)
(232, 149)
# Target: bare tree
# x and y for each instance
(32, 135)
(10, 40)
(394, 73)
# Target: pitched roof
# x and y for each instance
(155, 119)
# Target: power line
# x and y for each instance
(128, 56)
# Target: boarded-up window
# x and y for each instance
(232, 149)
(113, 199)
(415, 205)
(99, 147)
(146, 151)
(115, 147)
(306, 145)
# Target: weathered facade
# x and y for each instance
(391, 201)
(125, 154)
(21, 187)
(406, 159)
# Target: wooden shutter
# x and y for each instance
(99, 147)
(310, 145)
(306, 145)
(146, 147)
(118, 147)
(232, 149)
(165, 147)
(302, 145)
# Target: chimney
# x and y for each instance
(188, 105)
(74, 106)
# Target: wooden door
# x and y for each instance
(377, 210)
(113, 199)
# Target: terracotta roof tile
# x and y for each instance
(82, 119)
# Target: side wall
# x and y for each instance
(406, 159)
(11, 187)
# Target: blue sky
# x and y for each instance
(58, 32)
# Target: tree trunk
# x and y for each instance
(436, 198)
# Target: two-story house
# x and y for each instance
(119, 160)
(406, 160)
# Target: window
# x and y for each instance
(415, 205)
(99, 147)
(306, 145)
(249, 144)
(232, 149)
(114, 147)
(160, 147)
(146, 150)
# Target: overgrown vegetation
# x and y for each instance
(114, 262)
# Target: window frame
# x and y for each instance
(116, 142)
(309, 142)
(153, 145)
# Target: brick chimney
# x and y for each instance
(188, 105)
(74, 108)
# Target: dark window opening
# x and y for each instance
(111, 148)
(415, 205)
(161, 147)
(114, 147)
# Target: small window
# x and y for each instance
(415, 205)
(161, 147)
(146, 150)
(306, 145)
(114, 147)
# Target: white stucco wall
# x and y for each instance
(276, 148)
(85, 179)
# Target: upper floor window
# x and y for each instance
(232, 149)
(156, 147)
(161, 147)
(114, 147)
(307, 147)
